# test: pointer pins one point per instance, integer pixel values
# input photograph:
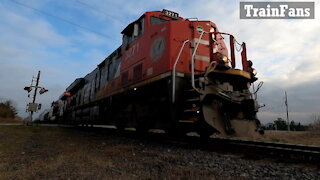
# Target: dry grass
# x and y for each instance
(31, 152)
(11, 120)
(294, 137)
(314, 128)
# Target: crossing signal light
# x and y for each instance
(43, 90)
(27, 89)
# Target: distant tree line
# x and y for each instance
(315, 126)
(280, 124)
(7, 109)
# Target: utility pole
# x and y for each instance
(286, 103)
(35, 94)
(33, 107)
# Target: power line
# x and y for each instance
(61, 19)
(99, 10)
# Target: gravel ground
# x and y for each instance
(223, 166)
(64, 153)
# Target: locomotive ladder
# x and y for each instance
(192, 104)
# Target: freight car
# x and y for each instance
(169, 73)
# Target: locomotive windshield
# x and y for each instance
(156, 20)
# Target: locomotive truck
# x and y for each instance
(170, 73)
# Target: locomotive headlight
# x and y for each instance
(254, 72)
(212, 31)
(223, 59)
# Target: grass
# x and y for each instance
(294, 137)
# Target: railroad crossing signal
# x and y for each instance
(33, 106)
(28, 89)
(43, 90)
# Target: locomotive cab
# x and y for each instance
(132, 32)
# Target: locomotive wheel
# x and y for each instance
(141, 125)
(175, 130)
(204, 133)
(120, 124)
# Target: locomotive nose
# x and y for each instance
(227, 104)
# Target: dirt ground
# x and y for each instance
(37, 152)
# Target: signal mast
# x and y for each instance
(33, 106)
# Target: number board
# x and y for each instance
(171, 14)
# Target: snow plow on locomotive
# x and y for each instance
(169, 73)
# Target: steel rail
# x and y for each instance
(300, 152)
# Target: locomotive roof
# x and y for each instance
(76, 83)
(152, 13)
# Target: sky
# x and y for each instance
(66, 39)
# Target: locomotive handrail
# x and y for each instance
(256, 91)
(192, 62)
(174, 71)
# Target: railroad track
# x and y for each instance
(255, 149)
(287, 152)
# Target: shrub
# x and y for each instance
(7, 109)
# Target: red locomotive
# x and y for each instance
(169, 73)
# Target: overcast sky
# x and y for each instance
(66, 39)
